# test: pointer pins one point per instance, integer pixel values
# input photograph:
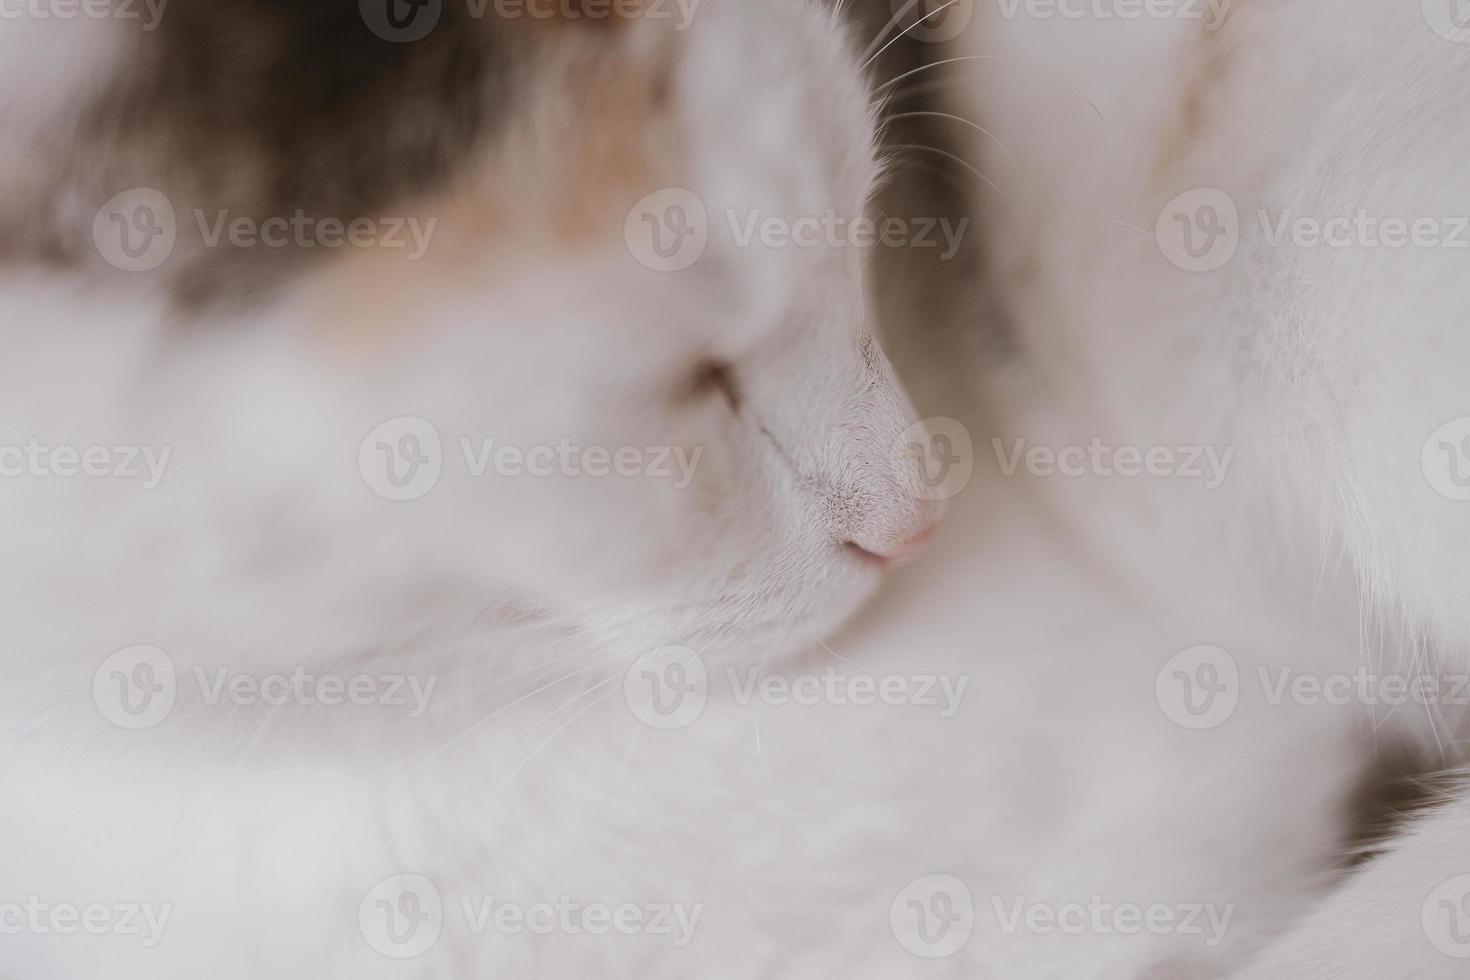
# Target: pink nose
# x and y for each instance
(899, 555)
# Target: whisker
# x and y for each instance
(900, 36)
(961, 119)
(824, 646)
(956, 159)
(1070, 85)
(935, 64)
(559, 729)
(911, 92)
(1142, 231)
(503, 709)
(946, 174)
(892, 23)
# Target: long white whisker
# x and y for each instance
(892, 23)
(834, 653)
(898, 37)
(960, 119)
(502, 710)
(950, 156)
(935, 64)
(559, 729)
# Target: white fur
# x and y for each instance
(1057, 779)
(1327, 369)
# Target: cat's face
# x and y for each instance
(608, 384)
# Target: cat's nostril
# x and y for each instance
(896, 556)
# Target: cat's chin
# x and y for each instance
(822, 612)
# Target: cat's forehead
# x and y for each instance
(471, 145)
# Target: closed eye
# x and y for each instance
(717, 378)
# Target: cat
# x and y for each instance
(1244, 227)
(501, 425)
(338, 573)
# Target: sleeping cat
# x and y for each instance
(396, 429)
(281, 611)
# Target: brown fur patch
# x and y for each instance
(597, 136)
(1211, 60)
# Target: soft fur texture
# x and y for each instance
(794, 828)
(1327, 368)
